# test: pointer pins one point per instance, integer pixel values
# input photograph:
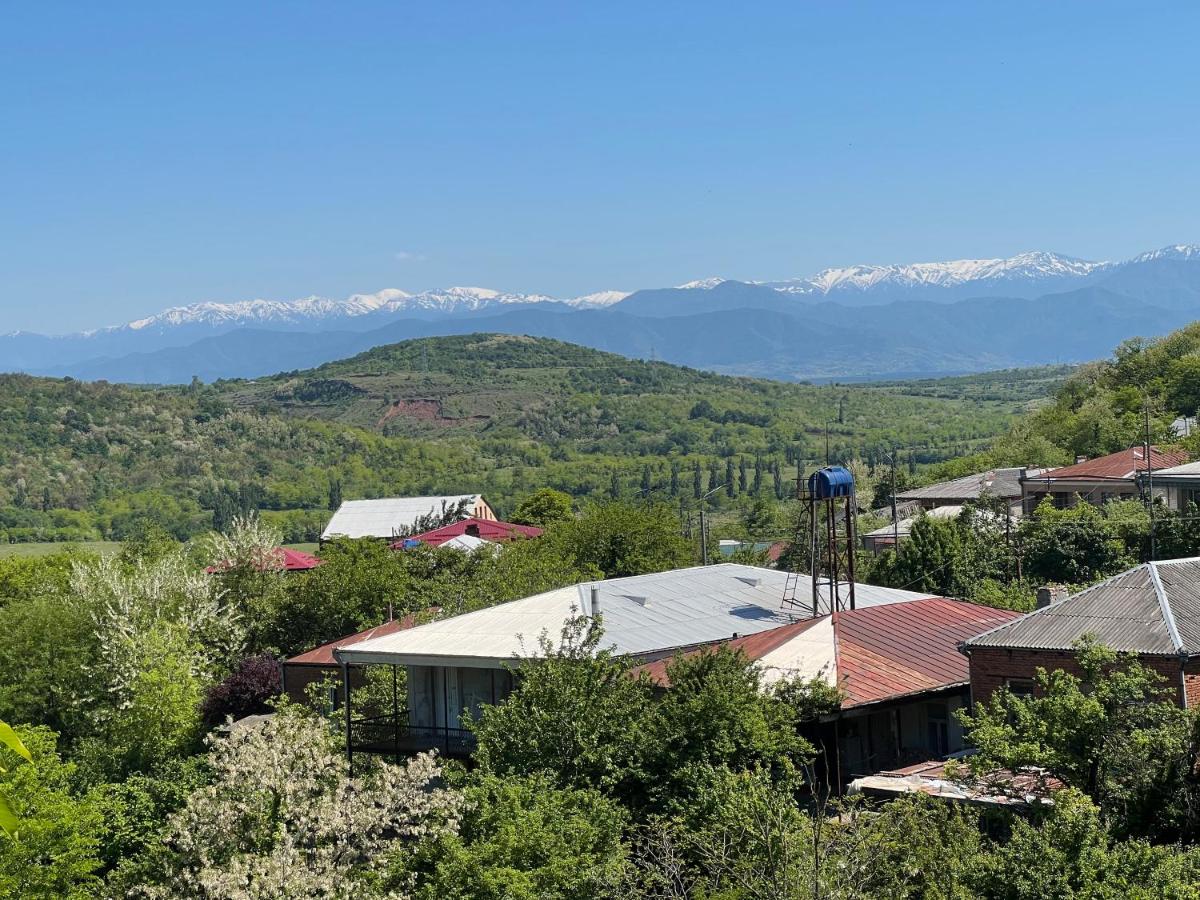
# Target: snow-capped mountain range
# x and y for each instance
(389, 300)
(956, 316)
(1020, 275)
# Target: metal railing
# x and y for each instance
(394, 736)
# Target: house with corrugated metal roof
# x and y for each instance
(1151, 611)
(1118, 476)
(391, 517)
(456, 665)
(897, 668)
(1002, 483)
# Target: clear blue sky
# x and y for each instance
(156, 155)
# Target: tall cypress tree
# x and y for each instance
(729, 478)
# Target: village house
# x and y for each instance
(281, 558)
(894, 657)
(1177, 486)
(317, 666)
(470, 534)
(1118, 476)
(946, 500)
(897, 667)
(1151, 610)
(389, 517)
(1004, 484)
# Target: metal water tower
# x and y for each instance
(827, 534)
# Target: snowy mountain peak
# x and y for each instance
(1023, 266)
(597, 300)
(703, 284)
(1175, 251)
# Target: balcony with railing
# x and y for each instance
(392, 735)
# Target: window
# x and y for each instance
(937, 728)
(1019, 687)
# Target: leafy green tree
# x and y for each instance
(54, 853)
(1074, 546)
(544, 507)
(931, 560)
(49, 662)
(525, 839)
(1112, 732)
(716, 713)
(622, 538)
(574, 717)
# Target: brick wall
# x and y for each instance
(991, 667)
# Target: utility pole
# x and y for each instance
(1150, 484)
(895, 520)
(704, 524)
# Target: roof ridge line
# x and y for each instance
(1164, 605)
(1033, 612)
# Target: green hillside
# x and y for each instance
(501, 414)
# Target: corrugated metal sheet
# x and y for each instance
(1184, 471)
(323, 655)
(1122, 465)
(1123, 612)
(892, 651)
(873, 654)
(997, 482)
(642, 615)
(1181, 583)
(382, 518)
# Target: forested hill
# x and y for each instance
(496, 414)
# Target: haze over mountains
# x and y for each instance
(854, 322)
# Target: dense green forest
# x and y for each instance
(496, 414)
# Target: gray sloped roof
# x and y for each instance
(997, 482)
(1153, 609)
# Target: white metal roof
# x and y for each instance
(642, 615)
(384, 517)
(1187, 470)
(468, 543)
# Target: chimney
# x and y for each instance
(595, 601)
(1049, 594)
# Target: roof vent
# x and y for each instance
(1082, 459)
(753, 582)
(639, 599)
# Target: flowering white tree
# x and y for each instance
(130, 601)
(284, 819)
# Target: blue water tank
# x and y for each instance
(831, 481)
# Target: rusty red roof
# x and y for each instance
(323, 655)
(755, 646)
(1121, 466)
(883, 652)
(485, 529)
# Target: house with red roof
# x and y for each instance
(490, 530)
(1118, 476)
(318, 664)
(283, 558)
(897, 666)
